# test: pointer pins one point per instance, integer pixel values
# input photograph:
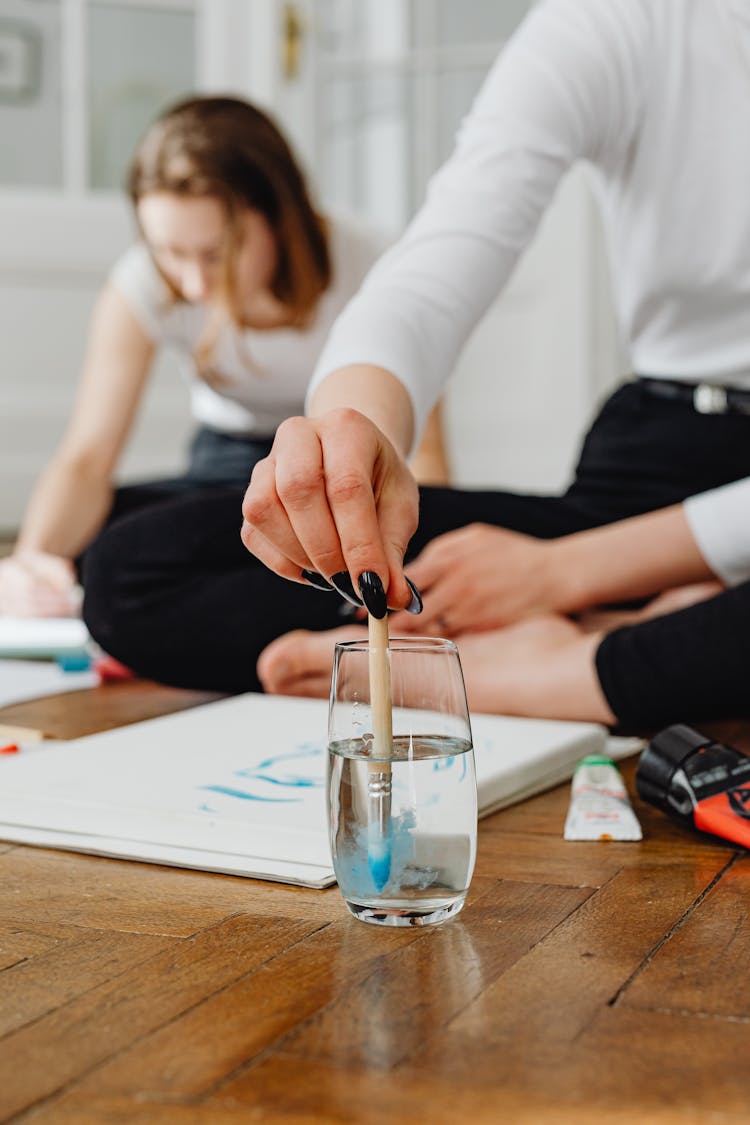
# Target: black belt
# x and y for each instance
(705, 398)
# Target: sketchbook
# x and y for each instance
(238, 786)
(42, 636)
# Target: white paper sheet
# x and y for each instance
(237, 785)
(31, 679)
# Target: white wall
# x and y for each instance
(54, 254)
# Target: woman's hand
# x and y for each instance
(333, 496)
(480, 578)
(35, 584)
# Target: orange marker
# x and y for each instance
(11, 748)
(700, 782)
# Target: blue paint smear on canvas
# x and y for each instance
(273, 771)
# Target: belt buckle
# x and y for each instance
(710, 399)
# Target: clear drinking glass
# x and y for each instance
(403, 823)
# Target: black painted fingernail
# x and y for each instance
(415, 605)
(316, 580)
(343, 584)
(373, 594)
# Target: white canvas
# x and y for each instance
(237, 785)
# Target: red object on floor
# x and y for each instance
(111, 671)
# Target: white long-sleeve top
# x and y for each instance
(654, 95)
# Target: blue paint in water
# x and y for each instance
(446, 763)
(367, 866)
(379, 861)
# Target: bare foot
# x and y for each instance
(542, 667)
(300, 662)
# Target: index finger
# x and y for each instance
(300, 485)
(348, 464)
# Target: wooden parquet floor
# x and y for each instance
(583, 983)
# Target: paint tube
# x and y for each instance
(599, 804)
(700, 782)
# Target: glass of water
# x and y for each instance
(402, 812)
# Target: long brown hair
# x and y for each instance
(226, 148)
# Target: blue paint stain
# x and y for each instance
(294, 782)
(306, 750)
(262, 773)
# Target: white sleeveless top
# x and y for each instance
(264, 374)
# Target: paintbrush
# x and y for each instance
(379, 769)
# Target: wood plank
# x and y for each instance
(699, 970)
(74, 1110)
(18, 944)
(690, 1063)
(75, 714)
(54, 886)
(548, 998)
(34, 988)
(409, 997)
(345, 1094)
(96, 1025)
(190, 1055)
(527, 857)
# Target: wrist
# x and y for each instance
(566, 579)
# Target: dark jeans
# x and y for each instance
(171, 591)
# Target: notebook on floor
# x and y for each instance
(238, 786)
(32, 679)
(42, 636)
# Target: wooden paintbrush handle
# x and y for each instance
(380, 692)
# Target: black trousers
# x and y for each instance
(171, 592)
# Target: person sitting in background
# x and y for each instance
(240, 274)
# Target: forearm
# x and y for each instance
(630, 559)
(67, 508)
(430, 462)
(375, 393)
